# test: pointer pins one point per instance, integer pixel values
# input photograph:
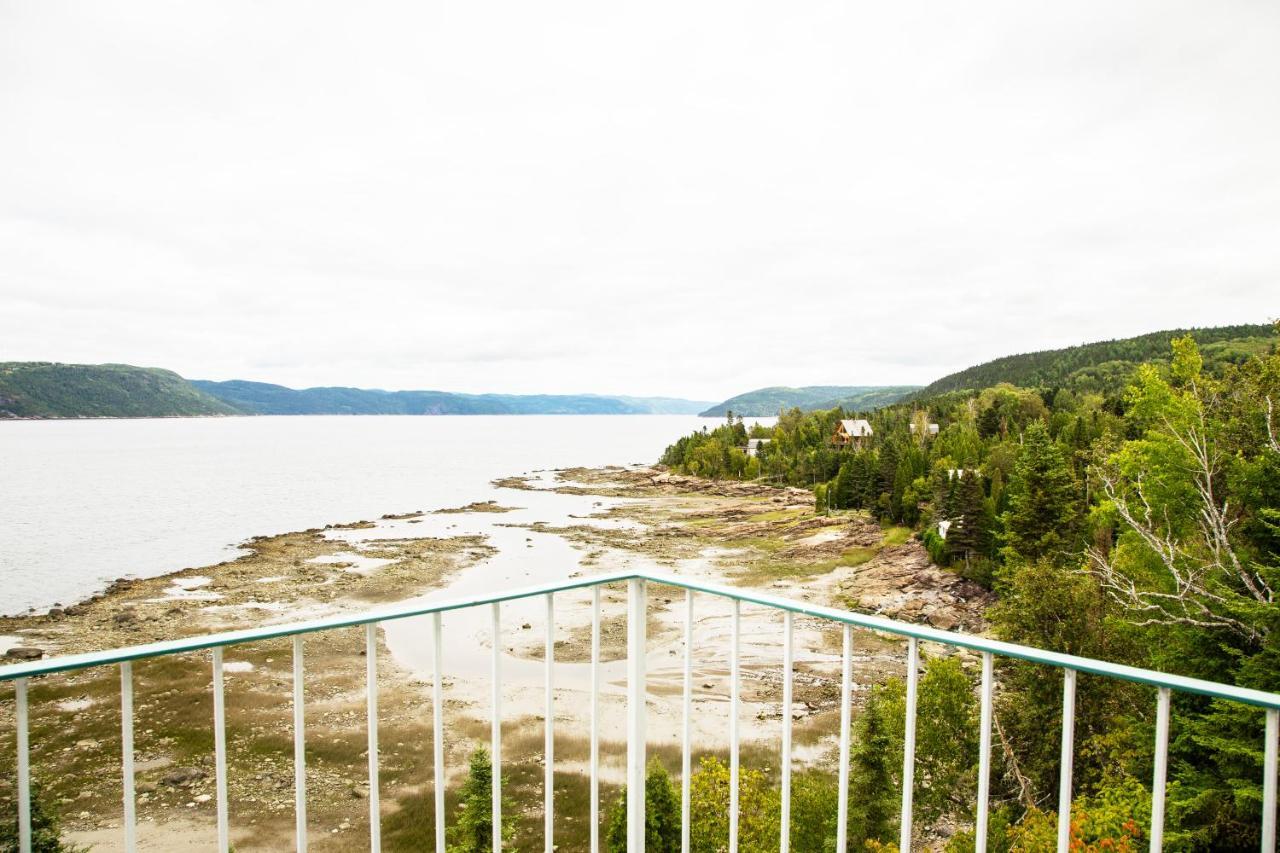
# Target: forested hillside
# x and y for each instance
(1106, 365)
(765, 402)
(50, 390)
(261, 398)
(1139, 525)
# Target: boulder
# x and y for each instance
(180, 776)
(24, 653)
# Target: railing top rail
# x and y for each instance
(863, 620)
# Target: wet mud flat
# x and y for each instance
(533, 528)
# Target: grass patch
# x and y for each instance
(779, 515)
(896, 536)
(856, 556)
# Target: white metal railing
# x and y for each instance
(637, 582)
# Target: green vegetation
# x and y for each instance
(1104, 366)
(472, 830)
(261, 398)
(46, 834)
(766, 402)
(1138, 523)
(661, 814)
(45, 390)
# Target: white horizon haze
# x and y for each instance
(667, 199)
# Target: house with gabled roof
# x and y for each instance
(854, 432)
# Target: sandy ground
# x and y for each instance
(607, 519)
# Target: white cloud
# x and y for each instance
(671, 198)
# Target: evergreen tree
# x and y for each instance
(473, 830)
(967, 538)
(661, 814)
(46, 835)
(1044, 504)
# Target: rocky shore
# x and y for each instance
(742, 533)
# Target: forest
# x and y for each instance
(1139, 525)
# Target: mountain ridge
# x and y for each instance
(765, 402)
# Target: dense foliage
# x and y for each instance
(45, 390)
(1105, 365)
(1141, 527)
(764, 402)
(262, 398)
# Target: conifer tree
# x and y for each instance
(1043, 517)
(473, 831)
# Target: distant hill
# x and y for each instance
(261, 398)
(1105, 365)
(764, 402)
(49, 390)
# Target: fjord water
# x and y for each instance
(85, 502)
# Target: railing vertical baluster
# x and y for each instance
(24, 766)
(220, 751)
(909, 745)
(1269, 782)
(788, 662)
(984, 753)
(437, 727)
(846, 701)
(371, 697)
(549, 764)
(637, 631)
(495, 729)
(1161, 770)
(299, 751)
(1068, 756)
(595, 719)
(734, 693)
(686, 736)
(126, 756)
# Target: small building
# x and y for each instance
(931, 429)
(754, 445)
(853, 433)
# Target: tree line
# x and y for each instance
(1140, 527)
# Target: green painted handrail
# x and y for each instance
(924, 633)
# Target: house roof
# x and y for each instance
(857, 428)
(932, 429)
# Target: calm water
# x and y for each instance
(84, 502)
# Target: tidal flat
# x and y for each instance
(536, 527)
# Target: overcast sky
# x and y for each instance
(685, 198)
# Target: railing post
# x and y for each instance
(1161, 770)
(984, 754)
(299, 750)
(636, 634)
(437, 728)
(846, 699)
(495, 729)
(788, 661)
(220, 751)
(126, 756)
(549, 748)
(1068, 756)
(595, 719)
(1269, 782)
(686, 735)
(909, 745)
(371, 696)
(24, 766)
(735, 643)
